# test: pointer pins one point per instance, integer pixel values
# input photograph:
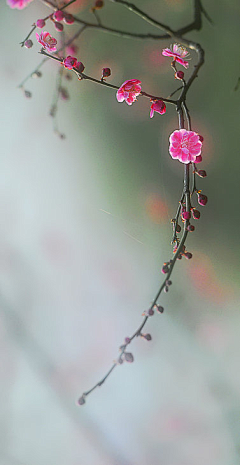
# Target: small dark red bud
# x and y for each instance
(27, 94)
(179, 257)
(36, 74)
(40, 23)
(178, 228)
(81, 400)
(58, 15)
(148, 337)
(159, 308)
(80, 67)
(128, 357)
(191, 227)
(179, 75)
(165, 269)
(168, 282)
(28, 43)
(188, 255)
(127, 340)
(166, 289)
(202, 199)
(68, 19)
(186, 215)
(106, 72)
(150, 312)
(201, 173)
(58, 26)
(196, 214)
(98, 4)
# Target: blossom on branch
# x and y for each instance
(47, 41)
(129, 91)
(69, 62)
(177, 52)
(185, 146)
(19, 4)
(158, 106)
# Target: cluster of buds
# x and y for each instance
(56, 18)
(182, 253)
(71, 62)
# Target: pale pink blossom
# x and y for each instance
(177, 52)
(69, 62)
(47, 41)
(19, 4)
(185, 146)
(129, 91)
(158, 106)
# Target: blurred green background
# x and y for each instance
(85, 228)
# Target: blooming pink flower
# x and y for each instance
(129, 91)
(178, 52)
(47, 41)
(185, 146)
(69, 62)
(158, 106)
(20, 4)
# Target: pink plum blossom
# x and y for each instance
(129, 91)
(185, 146)
(69, 62)
(177, 52)
(19, 4)
(158, 106)
(47, 41)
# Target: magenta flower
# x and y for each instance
(158, 106)
(129, 91)
(47, 41)
(178, 52)
(185, 146)
(19, 4)
(69, 62)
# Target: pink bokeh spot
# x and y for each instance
(47, 41)
(19, 4)
(177, 52)
(129, 91)
(185, 146)
(158, 106)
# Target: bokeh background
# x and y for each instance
(85, 228)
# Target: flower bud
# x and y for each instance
(191, 227)
(58, 26)
(81, 400)
(179, 75)
(148, 337)
(40, 23)
(28, 43)
(98, 4)
(188, 255)
(202, 199)
(80, 67)
(165, 269)
(127, 340)
(68, 19)
(168, 282)
(201, 173)
(36, 74)
(196, 214)
(27, 94)
(128, 357)
(186, 215)
(150, 312)
(166, 289)
(178, 228)
(159, 308)
(58, 15)
(106, 72)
